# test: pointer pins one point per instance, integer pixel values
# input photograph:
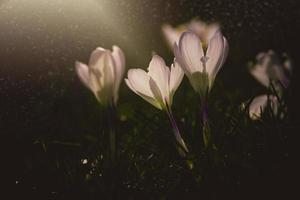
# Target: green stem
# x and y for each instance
(206, 132)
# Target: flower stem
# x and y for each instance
(205, 129)
(182, 148)
(176, 132)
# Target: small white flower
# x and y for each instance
(103, 74)
(158, 85)
(259, 104)
(199, 64)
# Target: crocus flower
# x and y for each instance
(199, 64)
(200, 28)
(103, 74)
(270, 68)
(158, 86)
(259, 104)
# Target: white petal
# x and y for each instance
(138, 82)
(223, 58)
(157, 93)
(198, 27)
(176, 77)
(181, 61)
(119, 59)
(215, 52)
(107, 67)
(102, 74)
(191, 51)
(82, 71)
(160, 73)
(139, 79)
(225, 51)
(95, 55)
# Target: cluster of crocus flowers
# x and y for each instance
(158, 86)
(272, 73)
(103, 74)
(200, 51)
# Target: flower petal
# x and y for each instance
(181, 61)
(198, 27)
(215, 52)
(211, 31)
(82, 71)
(223, 58)
(160, 73)
(119, 60)
(157, 93)
(95, 55)
(176, 77)
(191, 51)
(171, 34)
(102, 75)
(138, 82)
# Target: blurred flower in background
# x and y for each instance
(200, 28)
(259, 104)
(103, 74)
(273, 73)
(269, 67)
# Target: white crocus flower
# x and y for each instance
(200, 28)
(103, 74)
(199, 64)
(270, 68)
(259, 104)
(158, 85)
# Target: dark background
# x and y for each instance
(42, 101)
